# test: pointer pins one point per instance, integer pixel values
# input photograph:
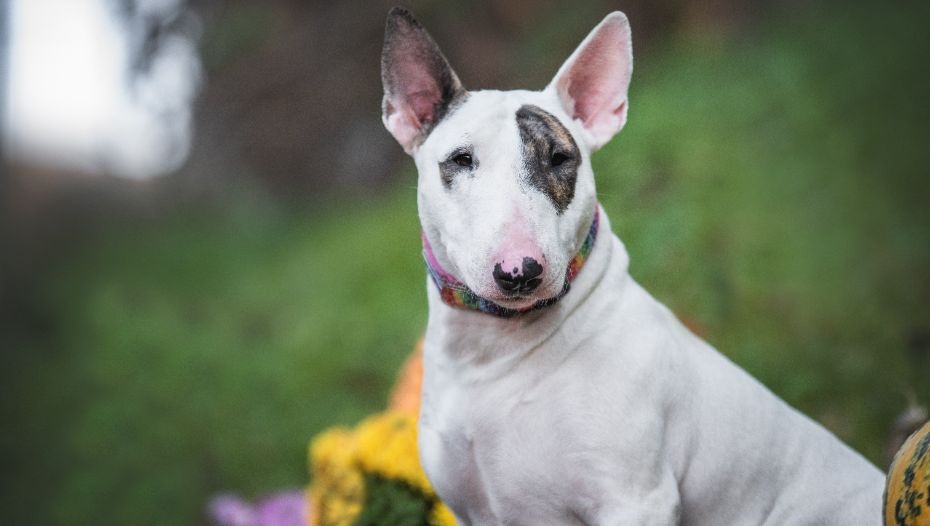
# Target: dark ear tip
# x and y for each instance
(398, 12)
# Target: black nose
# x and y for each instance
(519, 281)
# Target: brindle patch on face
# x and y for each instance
(550, 156)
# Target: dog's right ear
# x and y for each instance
(592, 84)
(419, 84)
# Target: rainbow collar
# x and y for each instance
(454, 293)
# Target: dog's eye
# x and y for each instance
(464, 160)
(558, 158)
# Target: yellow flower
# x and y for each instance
(387, 446)
(384, 444)
(441, 515)
(338, 488)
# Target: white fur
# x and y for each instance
(602, 409)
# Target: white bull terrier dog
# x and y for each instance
(556, 390)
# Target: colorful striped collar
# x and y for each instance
(457, 294)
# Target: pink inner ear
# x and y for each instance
(423, 104)
(594, 85)
(413, 105)
(598, 79)
(418, 89)
(402, 124)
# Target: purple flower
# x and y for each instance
(285, 508)
(229, 510)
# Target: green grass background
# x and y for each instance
(771, 187)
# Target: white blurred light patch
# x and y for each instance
(72, 102)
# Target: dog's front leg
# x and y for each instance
(660, 506)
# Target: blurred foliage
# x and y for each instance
(202, 353)
(770, 187)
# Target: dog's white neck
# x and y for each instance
(472, 338)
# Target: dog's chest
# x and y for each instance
(507, 453)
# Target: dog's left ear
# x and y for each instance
(419, 84)
(592, 84)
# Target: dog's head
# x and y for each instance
(506, 192)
